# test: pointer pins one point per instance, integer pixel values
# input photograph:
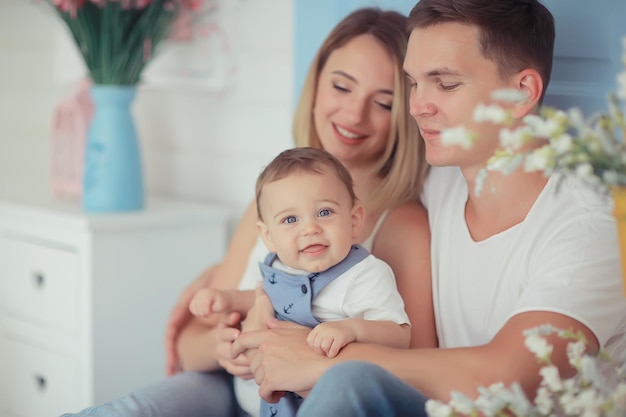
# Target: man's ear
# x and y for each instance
(530, 83)
(358, 216)
(265, 235)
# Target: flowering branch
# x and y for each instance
(591, 148)
(598, 389)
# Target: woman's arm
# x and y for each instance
(188, 342)
(179, 318)
(403, 241)
(207, 348)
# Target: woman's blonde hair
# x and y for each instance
(402, 166)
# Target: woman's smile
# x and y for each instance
(347, 136)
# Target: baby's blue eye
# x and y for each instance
(290, 219)
(324, 213)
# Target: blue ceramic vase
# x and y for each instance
(113, 179)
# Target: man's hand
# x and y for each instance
(284, 361)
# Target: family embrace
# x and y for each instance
(454, 278)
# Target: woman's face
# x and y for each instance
(352, 111)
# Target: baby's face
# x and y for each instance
(308, 220)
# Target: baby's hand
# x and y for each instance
(208, 301)
(328, 338)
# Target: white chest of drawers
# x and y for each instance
(84, 298)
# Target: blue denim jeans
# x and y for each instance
(189, 394)
(360, 389)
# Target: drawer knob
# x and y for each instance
(41, 382)
(39, 279)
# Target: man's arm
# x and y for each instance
(434, 372)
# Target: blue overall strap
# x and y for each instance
(321, 279)
(291, 295)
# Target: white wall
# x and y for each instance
(197, 145)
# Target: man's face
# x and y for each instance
(449, 77)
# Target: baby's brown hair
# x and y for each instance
(304, 159)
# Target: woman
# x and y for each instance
(353, 104)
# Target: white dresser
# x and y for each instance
(84, 298)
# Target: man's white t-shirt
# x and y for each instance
(562, 258)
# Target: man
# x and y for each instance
(517, 256)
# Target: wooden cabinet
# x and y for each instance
(84, 299)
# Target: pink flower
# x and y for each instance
(126, 4)
(69, 6)
(192, 4)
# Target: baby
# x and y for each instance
(314, 275)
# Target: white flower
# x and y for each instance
(586, 404)
(493, 399)
(591, 393)
(520, 404)
(540, 159)
(457, 136)
(584, 170)
(562, 143)
(544, 401)
(461, 403)
(505, 162)
(610, 177)
(436, 408)
(490, 113)
(621, 84)
(589, 371)
(551, 377)
(568, 402)
(618, 397)
(513, 138)
(508, 94)
(575, 351)
(543, 128)
(490, 406)
(576, 119)
(480, 181)
(543, 329)
(538, 345)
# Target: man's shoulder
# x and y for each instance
(575, 194)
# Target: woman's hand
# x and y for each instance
(284, 361)
(226, 332)
(179, 317)
(261, 312)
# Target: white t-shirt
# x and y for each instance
(562, 258)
